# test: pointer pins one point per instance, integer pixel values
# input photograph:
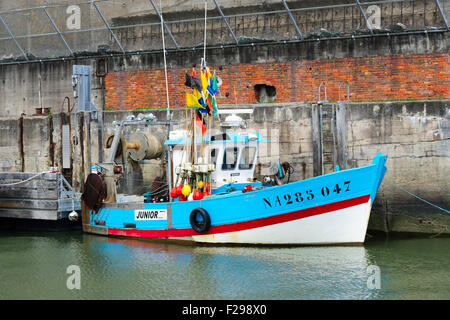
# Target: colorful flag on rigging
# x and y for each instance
(204, 102)
(200, 121)
(214, 105)
(204, 78)
(203, 96)
(191, 101)
(208, 73)
(214, 83)
(200, 102)
(209, 103)
(193, 82)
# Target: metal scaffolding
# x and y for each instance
(294, 16)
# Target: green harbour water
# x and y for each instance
(34, 265)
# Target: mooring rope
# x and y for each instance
(23, 181)
(410, 193)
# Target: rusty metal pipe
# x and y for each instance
(69, 110)
(22, 155)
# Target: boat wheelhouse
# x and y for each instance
(233, 155)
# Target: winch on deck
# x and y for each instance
(126, 153)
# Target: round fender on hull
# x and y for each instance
(203, 225)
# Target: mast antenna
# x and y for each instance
(204, 37)
(165, 62)
(169, 128)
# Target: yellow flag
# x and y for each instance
(197, 95)
(189, 100)
(194, 99)
(204, 82)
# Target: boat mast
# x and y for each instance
(169, 128)
(195, 171)
(203, 69)
(204, 37)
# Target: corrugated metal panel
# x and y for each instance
(83, 74)
(66, 146)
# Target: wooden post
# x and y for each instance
(21, 148)
(100, 135)
(316, 140)
(81, 135)
(341, 128)
(87, 118)
(51, 147)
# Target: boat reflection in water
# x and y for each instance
(139, 269)
(34, 266)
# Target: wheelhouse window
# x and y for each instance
(230, 156)
(214, 155)
(247, 158)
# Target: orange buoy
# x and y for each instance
(179, 188)
(174, 192)
(197, 195)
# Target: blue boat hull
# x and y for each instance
(328, 209)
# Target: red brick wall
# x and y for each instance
(371, 78)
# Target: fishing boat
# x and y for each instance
(211, 194)
(333, 208)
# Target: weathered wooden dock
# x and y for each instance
(41, 196)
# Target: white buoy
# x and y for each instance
(73, 216)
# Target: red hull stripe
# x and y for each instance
(238, 226)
